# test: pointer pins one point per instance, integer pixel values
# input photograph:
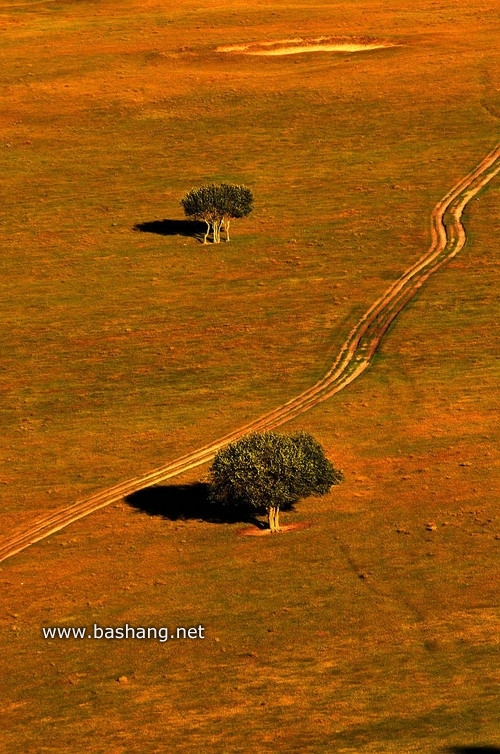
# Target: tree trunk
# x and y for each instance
(274, 514)
(216, 226)
(208, 231)
(226, 228)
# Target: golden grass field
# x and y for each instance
(375, 629)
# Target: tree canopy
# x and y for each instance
(269, 471)
(217, 205)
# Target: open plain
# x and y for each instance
(126, 345)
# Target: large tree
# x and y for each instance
(217, 205)
(269, 471)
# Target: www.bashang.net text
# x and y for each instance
(161, 633)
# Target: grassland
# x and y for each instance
(367, 632)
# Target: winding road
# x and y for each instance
(448, 238)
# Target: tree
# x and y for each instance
(270, 471)
(217, 206)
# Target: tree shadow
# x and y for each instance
(189, 502)
(189, 228)
(473, 750)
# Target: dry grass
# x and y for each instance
(367, 632)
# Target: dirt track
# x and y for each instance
(448, 238)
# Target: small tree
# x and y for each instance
(217, 206)
(270, 471)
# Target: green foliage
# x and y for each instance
(271, 470)
(217, 205)
(218, 202)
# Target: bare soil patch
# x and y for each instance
(296, 45)
(253, 531)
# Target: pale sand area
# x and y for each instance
(317, 48)
(298, 45)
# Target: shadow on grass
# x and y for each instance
(473, 750)
(188, 502)
(189, 228)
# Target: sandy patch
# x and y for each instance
(253, 531)
(297, 45)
